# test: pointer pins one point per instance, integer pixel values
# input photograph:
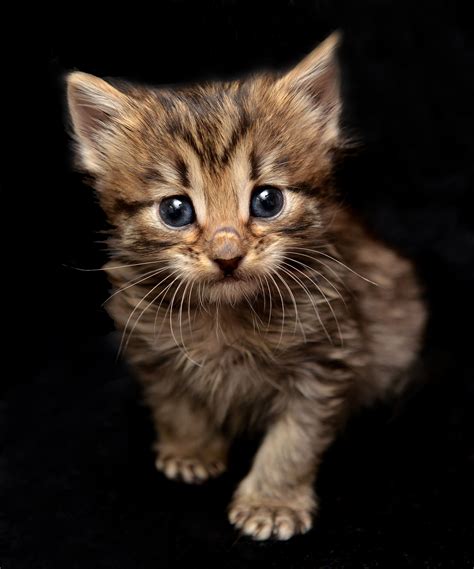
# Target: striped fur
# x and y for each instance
(321, 317)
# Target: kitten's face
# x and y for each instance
(219, 183)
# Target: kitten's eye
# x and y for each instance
(266, 202)
(177, 211)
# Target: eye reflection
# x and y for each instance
(266, 201)
(177, 211)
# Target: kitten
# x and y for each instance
(248, 297)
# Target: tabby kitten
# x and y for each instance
(248, 297)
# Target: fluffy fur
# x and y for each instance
(319, 317)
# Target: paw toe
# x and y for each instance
(171, 468)
(258, 525)
(189, 470)
(264, 522)
(284, 526)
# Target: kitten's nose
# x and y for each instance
(226, 249)
(228, 266)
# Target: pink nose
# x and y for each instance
(228, 266)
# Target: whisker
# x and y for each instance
(180, 313)
(189, 307)
(253, 317)
(323, 294)
(217, 320)
(338, 262)
(338, 277)
(324, 297)
(282, 308)
(201, 299)
(157, 312)
(306, 290)
(295, 305)
(110, 268)
(254, 312)
(122, 347)
(170, 307)
(148, 275)
(260, 287)
(270, 301)
(199, 295)
(152, 301)
(312, 269)
(180, 321)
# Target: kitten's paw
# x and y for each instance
(263, 521)
(192, 470)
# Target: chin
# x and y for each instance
(231, 290)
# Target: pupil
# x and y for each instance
(266, 202)
(175, 209)
(267, 199)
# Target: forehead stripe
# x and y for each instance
(130, 207)
(182, 170)
(255, 166)
(305, 189)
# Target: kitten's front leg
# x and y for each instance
(277, 498)
(190, 447)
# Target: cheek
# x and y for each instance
(296, 206)
(264, 255)
(301, 219)
(192, 262)
(167, 242)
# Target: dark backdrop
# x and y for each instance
(77, 477)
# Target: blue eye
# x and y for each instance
(266, 201)
(177, 211)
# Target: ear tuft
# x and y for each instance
(318, 72)
(317, 75)
(94, 106)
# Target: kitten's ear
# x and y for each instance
(318, 72)
(318, 75)
(95, 107)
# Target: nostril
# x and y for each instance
(228, 266)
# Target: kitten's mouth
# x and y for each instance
(228, 281)
(231, 288)
(233, 280)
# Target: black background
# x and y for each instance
(77, 473)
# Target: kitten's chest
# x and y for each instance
(222, 353)
(220, 337)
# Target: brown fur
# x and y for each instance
(322, 317)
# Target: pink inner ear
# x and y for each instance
(92, 102)
(93, 105)
(90, 118)
(318, 72)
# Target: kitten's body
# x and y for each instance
(299, 334)
(243, 366)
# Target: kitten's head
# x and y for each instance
(218, 182)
